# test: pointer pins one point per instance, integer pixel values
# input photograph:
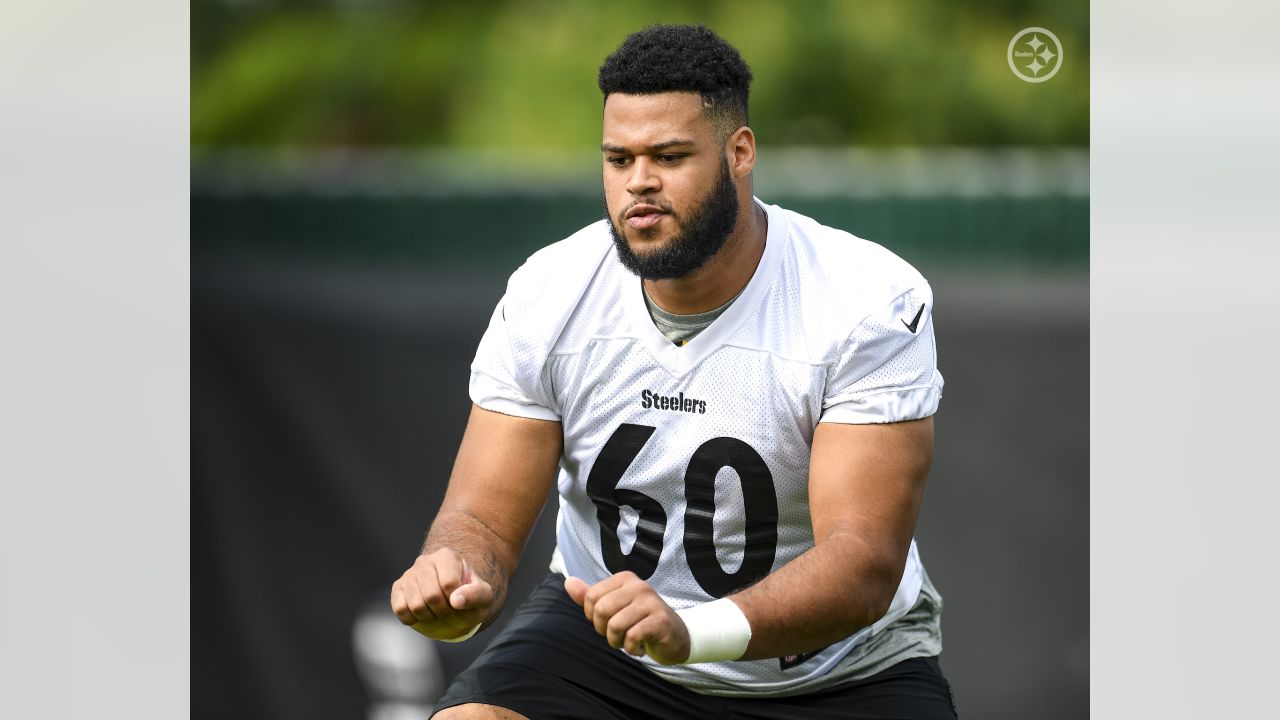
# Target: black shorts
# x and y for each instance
(550, 663)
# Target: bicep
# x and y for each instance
(868, 480)
(505, 468)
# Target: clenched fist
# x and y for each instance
(631, 615)
(440, 596)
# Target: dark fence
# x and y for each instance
(1043, 232)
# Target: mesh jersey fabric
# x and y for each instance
(689, 465)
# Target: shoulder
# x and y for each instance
(553, 279)
(842, 276)
(851, 270)
(833, 282)
(543, 293)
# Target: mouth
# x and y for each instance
(644, 216)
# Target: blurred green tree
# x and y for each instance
(522, 74)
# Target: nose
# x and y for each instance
(643, 179)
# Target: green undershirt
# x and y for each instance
(680, 329)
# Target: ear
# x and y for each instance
(741, 151)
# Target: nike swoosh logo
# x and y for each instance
(912, 326)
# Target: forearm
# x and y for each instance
(841, 585)
(505, 467)
(490, 556)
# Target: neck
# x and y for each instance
(724, 275)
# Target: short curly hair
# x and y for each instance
(682, 58)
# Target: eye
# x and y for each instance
(669, 158)
(618, 162)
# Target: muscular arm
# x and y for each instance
(866, 485)
(505, 468)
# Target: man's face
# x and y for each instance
(669, 196)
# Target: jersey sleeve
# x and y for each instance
(511, 373)
(886, 370)
(507, 375)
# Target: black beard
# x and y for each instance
(703, 235)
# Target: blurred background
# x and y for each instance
(366, 173)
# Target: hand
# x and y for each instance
(440, 597)
(632, 616)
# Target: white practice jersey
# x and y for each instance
(690, 465)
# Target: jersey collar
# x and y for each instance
(680, 360)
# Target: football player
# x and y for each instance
(734, 404)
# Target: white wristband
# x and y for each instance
(460, 638)
(717, 631)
